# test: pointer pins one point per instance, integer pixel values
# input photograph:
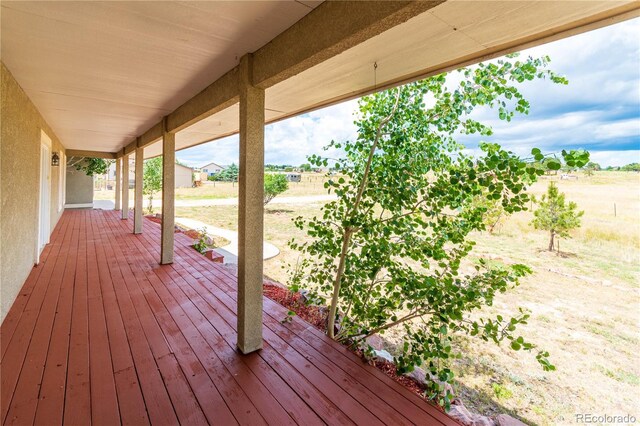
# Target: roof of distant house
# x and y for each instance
(213, 164)
(182, 165)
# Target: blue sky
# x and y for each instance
(599, 110)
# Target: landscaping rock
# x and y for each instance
(376, 342)
(419, 375)
(459, 412)
(382, 354)
(303, 295)
(483, 421)
(507, 420)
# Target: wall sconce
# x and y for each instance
(55, 159)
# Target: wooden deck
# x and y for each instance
(102, 334)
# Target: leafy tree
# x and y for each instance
(590, 167)
(555, 216)
(152, 179)
(306, 167)
(230, 174)
(633, 167)
(387, 252)
(93, 166)
(494, 213)
(274, 184)
(593, 166)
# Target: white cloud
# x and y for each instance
(615, 158)
(291, 141)
(619, 129)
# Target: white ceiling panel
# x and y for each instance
(115, 68)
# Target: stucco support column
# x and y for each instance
(118, 182)
(250, 210)
(138, 207)
(168, 191)
(125, 187)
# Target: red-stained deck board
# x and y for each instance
(213, 406)
(52, 391)
(129, 393)
(317, 400)
(77, 405)
(23, 365)
(18, 307)
(102, 334)
(18, 327)
(203, 339)
(380, 384)
(156, 397)
(104, 398)
(388, 387)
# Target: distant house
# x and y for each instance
(212, 169)
(183, 175)
(294, 177)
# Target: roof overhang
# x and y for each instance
(115, 73)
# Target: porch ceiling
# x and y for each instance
(101, 73)
(104, 73)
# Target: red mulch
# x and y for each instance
(191, 233)
(317, 318)
(152, 218)
(293, 301)
(390, 370)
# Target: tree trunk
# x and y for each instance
(333, 307)
(553, 234)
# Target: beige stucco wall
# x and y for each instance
(21, 124)
(184, 177)
(79, 187)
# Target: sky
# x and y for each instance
(598, 111)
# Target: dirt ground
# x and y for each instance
(585, 303)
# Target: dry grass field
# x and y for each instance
(585, 302)
(311, 184)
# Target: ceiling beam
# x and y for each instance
(328, 30)
(219, 95)
(131, 147)
(90, 154)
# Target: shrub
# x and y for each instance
(274, 184)
(201, 243)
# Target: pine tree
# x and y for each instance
(555, 215)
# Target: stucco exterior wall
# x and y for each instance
(184, 177)
(20, 133)
(79, 187)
